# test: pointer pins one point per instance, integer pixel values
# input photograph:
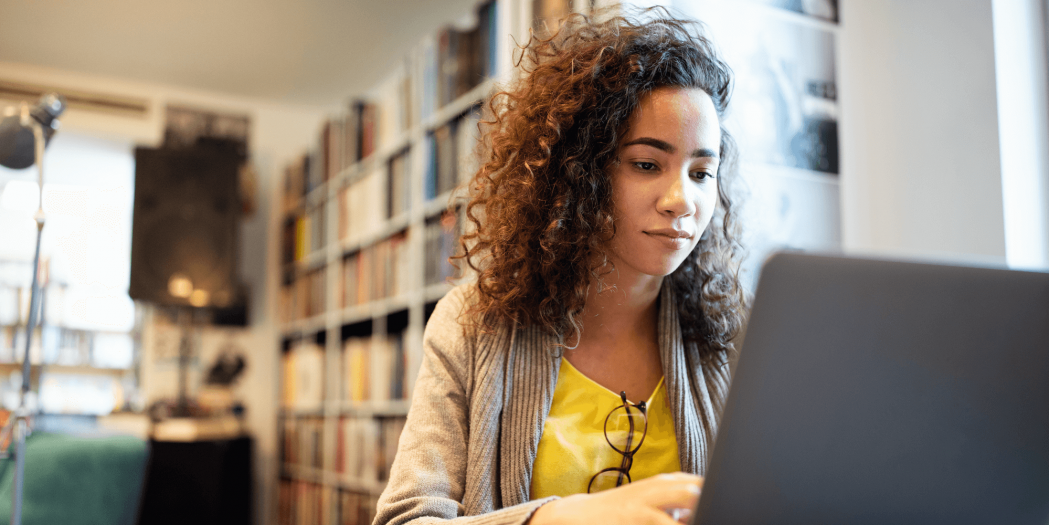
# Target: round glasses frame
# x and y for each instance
(623, 470)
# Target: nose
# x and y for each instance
(676, 199)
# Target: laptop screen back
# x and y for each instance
(885, 392)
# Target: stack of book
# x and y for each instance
(375, 368)
(356, 509)
(303, 296)
(356, 447)
(442, 239)
(389, 435)
(366, 448)
(305, 503)
(302, 442)
(452, 156)
(302, 371)
(376, 272)
(464, 58)
(362, 206)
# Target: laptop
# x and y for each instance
(873, 391)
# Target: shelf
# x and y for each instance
(316, 195)
(313, 261)
(68, 369)
(324, 477)
(352, 173)
(360, 485)
(305, 326)
(363, 312)
(460, 105)
(397, 407)
(435, 292)
(388, 228)
(295, 412)
(437, 204)
(303, 473)
(320, 431)
(377, 308)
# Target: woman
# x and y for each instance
(593, 349)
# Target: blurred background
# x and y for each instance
(246, 226)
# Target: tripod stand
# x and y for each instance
(18, 424)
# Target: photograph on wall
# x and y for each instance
(823, 9)
(785, 105)
(785, 211)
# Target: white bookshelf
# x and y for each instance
(372, 317)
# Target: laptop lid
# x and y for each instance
(871, 391)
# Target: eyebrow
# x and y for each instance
(669, 148)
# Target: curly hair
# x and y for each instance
(541, 205)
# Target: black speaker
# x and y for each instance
(198, 482)
(184, 228)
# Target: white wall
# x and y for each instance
(1023, 119)
(279, 132)
(922, 170)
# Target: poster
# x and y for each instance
(784, 117)
(823, 9)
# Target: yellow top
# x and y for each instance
(573, 447)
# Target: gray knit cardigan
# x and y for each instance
(478, 410)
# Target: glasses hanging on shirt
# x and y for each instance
(625, 430)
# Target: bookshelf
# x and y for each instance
(365, 236)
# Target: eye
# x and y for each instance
(645, 166)
(702, 175)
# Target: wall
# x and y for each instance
(278, 133)
(1023, 117)
(922, 169)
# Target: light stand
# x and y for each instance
(187, 331)
(19, 424)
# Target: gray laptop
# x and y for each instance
(885, 392)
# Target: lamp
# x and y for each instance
(24, 134)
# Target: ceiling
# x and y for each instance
(310, 52)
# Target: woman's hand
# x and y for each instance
(642, 502)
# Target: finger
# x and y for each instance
(678, 495)
(679, 515)
(678, 476)
(649, 516)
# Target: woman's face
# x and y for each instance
(665, 184)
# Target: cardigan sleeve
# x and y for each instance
(428, 477)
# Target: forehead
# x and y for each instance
(674, 112)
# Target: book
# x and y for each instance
(361, 436)
(467, 135)
(356, 508)
(368, 130)
(440, 174)
(399, 185)
(350, 138)
(442, 238)
(302, 369)
(356, 352)
(362, 209)
(349, 280)
(302, 444)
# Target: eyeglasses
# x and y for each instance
(625, 430)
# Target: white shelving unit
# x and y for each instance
(330, 325)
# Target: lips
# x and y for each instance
(670, 237)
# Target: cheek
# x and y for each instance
(707, 203)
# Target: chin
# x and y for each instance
(662, 268)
